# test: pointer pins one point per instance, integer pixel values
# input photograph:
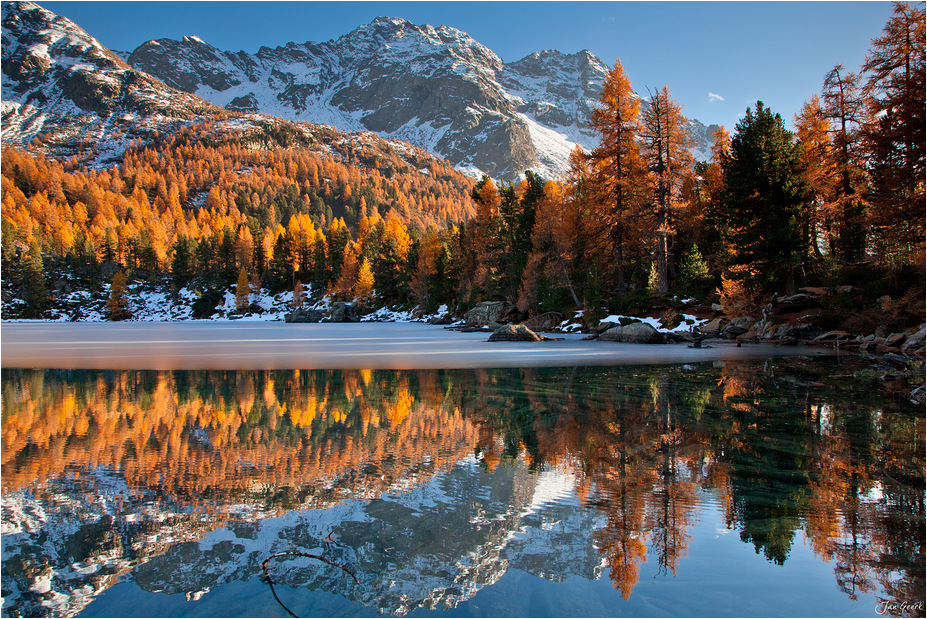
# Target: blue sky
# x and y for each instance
(717, 58)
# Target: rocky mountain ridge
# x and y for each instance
(436, 88)
(65, 92)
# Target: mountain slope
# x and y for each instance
(64, 93)
(434, 87)
(64, 89)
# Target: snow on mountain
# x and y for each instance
(555, 94)
(704, 139)
(65, 92)
(434, 87)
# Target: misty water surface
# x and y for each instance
(276, 345)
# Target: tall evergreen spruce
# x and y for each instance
(33, 277)
(763, 201)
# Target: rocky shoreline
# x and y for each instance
(794, 320)
(786, 321)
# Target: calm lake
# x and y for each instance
(766, 486)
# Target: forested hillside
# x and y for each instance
(635, 225)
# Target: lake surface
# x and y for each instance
(789, 486)
(277, 345)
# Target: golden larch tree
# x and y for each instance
(619, 175)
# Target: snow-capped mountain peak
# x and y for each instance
(61, 85)
(434, 87)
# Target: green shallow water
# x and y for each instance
(776, 487)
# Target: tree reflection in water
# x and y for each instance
(781, 453)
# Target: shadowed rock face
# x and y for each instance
(205, 65)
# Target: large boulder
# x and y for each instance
(305, 315)
(895, 340)
(737, 326)
(872, 346)
(713, 327)
(488, 312)
(915, 341)
(635, 333)
(623, 321)
(514, 333)
(798, 331)
(344, 312)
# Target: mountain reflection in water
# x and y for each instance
(431, 485)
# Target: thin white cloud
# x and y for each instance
(712, 97)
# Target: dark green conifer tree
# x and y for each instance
(35, 292)
(183, 263)
(763, 200)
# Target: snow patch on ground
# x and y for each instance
(688, 322)
(153, 303)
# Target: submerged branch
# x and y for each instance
(294, 553)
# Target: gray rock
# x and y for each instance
(487, 312)
(305, 315)
(713, 327)
(737, 326)
(637, 333)
(798, 331)
(871, 346)
(767, 328)
(344, 312)
(896, 360)
(832, 336)
(514, 333)
(895, 340)
(915, 341)
(108, 269)
(62, 286)
(917, 396)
